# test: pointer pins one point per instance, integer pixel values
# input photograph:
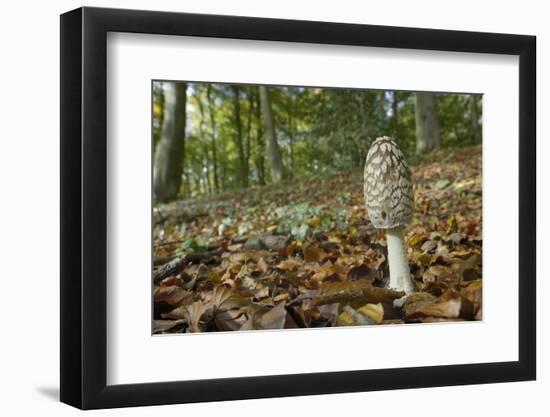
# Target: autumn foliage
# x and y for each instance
(303, 254)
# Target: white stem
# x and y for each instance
(400, 274)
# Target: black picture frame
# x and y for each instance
(84, 207)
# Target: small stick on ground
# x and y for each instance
(176, 265)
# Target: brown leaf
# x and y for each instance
(281, 297)
(312, 253)
(262, 264)
(267, 319)
(439, 319)
(424, 259)
(194, 313)
(235, 247)
(160, 326)
(416, 240)
(274, 318)
(472, 262)
(191, 313)
(172, 295)
(173, 280)
(368, 314)
(242, 257)
(415, 301)
(374, 311)
(473, 293)
(448, 306)
(328, 271)
(440, 273)
(224, 298)
(470, 274)
(290, 264)
(351, 260)
(230, 320)
(213, 275)
(361, 272)
(177, 313)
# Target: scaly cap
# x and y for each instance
(389, 196)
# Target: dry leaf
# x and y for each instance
(172, 295)
(160, 326)
(290, 264)
(312, 253)
(447, 306)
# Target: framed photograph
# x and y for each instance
(258, 208)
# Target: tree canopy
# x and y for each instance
(240, 136)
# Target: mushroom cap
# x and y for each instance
(389, 196)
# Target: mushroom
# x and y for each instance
(389, 200)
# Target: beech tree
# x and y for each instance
(427, 124)
(213, 134)
(474, 116)
(273, 152)
(169, 153)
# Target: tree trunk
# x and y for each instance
(169, 155)
(243, 174)
(290, 148)
(203, 141)
(187, 187)
(427, 124)
(213, 129)
(223, 162)
(273, 153)
(159, 99)
(260, 144)
(476, 130)
(395, 113)
(249, 131)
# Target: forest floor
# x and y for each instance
(304, 254)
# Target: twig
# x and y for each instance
(168, 242)
(176, 265)
(232, 241)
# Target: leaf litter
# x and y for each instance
(300, 254)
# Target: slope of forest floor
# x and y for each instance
(304, 254)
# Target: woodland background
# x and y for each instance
(259, 211)
(212, 138)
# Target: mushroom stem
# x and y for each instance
(400, 274)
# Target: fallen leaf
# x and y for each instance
(447, 306)
(367, 314)
(173, 295)
(230, 320)
(312, 253)
(160, 326)
(273, 318)
(290, 264)
(361, 272)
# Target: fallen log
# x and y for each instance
(176, 265)
(346, 292)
